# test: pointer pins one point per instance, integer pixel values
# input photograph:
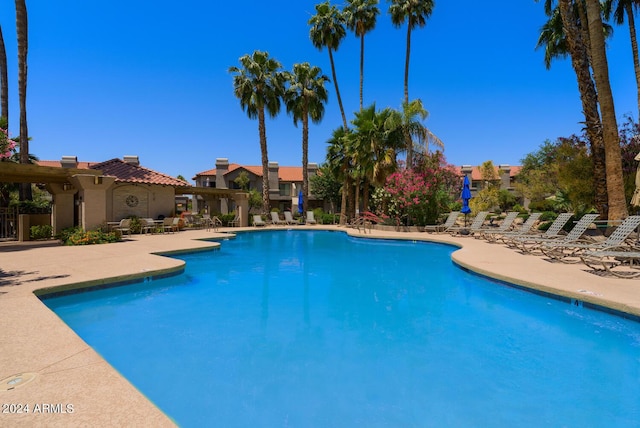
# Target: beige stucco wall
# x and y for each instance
(143, 201)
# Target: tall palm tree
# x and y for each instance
(4, 83)
(23, 47)
(626, 7)
(560, 36)
(305, 98)
(327, 30)
(613, 158)
(416, 13)
(339, 162)
(360, 17)
(413, 115)
(259, 85)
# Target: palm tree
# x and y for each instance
(23, 40)
(259, 85)
(4, 84)
(415, 12)
(615, 184)
(560, 36)
(360, 17)
(339, 162)
(413, 114)
(327, 30)
(626, 7)
(305, 98)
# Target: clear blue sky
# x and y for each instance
(149, 78)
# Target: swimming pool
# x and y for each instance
(297, 328)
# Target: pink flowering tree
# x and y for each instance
(7, 146)
(420, 194)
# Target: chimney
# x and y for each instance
(505, 176)
(131, 160)
(69, 162)
(274, 179)
(222, 167)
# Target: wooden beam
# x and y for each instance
(11, 172)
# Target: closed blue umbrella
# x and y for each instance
(300, 202)
(466, 195)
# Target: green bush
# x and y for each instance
(226, 219)
(41, 231)
(543, 205)
(328, 218)
(77, 236)
(548, 216)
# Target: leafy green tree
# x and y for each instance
(339, 162)
(360, 17)
(305, 98)
(259, 85)
(326, 186)
(327, 31)
(413, 116)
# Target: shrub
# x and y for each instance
(543, 205)
(41, 231)
(226, 219)
(77, 236)
(548, 216)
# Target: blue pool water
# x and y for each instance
(316, 329)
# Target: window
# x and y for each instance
(285, 189)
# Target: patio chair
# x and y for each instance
(311, 218)
(570, 252)
(552, 232)
(167, 224)
(288, 218)
(257, 221)
(235, 222)
(533, 245)
(621, 261)
(275, 220)
(147, 225)
(505, 226)
(175, 225)
(441, 228)
(476, 225)
(495, 237)
(124, 226)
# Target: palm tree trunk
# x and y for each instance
(21, 28)
(335, 83)
(615, 186)
(4, 83)
(361, 70)
(265, 160)
(634, 49)
(407, 136)
(589, 98)
(305, 155)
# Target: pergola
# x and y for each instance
(64, 183)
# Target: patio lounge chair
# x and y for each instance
(621, 261)
(124, 226)
(147, 225)
(570, 252)
(552, 232)
(440, 228)
(497, 236)
(288, 218)
(167, 224)
(475, 226)
(235, 222)
(275, 220)
(310, 218)
(531, 245)
(505, 226)
(257, 221)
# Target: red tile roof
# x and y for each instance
(125, 172)
(476, 175)
(285, 173)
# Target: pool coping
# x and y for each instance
(68, 371)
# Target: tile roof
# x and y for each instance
(125, 172)
(285, 173)
(477, 175)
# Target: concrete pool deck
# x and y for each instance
(73, 386)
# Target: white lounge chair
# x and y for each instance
(441, 228)
(533, 245)
(257, 221)
(570, 252)
(311, 218)
(288, 218)
(474, 227)
(526, 227)
(552, 232)
(505, 226)
(275, 220)
(621, 261)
